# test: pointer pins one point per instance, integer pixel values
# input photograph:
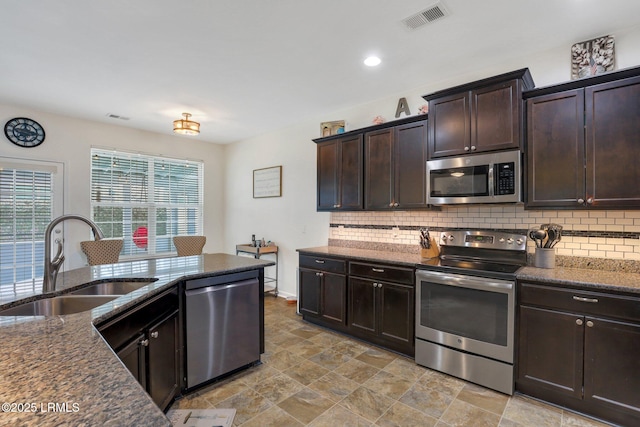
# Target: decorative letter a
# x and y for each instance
(402, 107)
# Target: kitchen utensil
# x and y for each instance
(425, 238)
(539, 236)
(551, 237)
(554, 232)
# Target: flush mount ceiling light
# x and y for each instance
(372, 61)
(185, 126)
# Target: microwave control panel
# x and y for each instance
(505, 178)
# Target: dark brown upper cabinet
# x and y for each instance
(582, 143)
(485, 115)
(395, 167)
(340, 174)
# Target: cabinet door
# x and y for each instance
(495, 117)
(379, 158)
(449, 125)
(334, 297)
(396, 319)
(339, 164)
(612, 148)
(555, 151)
(350, 174)
(551, 350)
(163, 360)
(133, 356)
(362, 305)
(327, 164)
(410, 172)
(309, 292)
(612, 365)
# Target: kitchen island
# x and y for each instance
(58, 370)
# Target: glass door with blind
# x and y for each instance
(31, 195)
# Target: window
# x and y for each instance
(30, 197)
(145, 200)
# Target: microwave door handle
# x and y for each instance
(491, 182)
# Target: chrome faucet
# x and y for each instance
(52, 266)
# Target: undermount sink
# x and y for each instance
(60, 305)
(110, 288)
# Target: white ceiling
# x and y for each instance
(246, 67)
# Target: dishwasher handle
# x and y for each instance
(222, 279)
(218, 288)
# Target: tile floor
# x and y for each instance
(310, 376)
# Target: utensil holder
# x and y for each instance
(545, 258)
(431, 252)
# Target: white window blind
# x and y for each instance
(145, 200)
(26, 208)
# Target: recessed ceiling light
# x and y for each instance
(372, 61)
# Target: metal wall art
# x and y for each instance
(592, 57)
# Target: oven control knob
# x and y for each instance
(519, 241)
(509, 241)
(501, 240)
(451, 238)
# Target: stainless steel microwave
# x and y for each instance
(482, 178)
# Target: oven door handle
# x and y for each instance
(481, 283)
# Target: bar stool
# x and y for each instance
(104, 251)
(189, 245)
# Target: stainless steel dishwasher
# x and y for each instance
(222, 325)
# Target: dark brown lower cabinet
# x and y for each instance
(580, 349)
(368, 301)
(153, 360)
(323, 295)
(381, 305)
(323, 291)
(146, 338)
(382, 313)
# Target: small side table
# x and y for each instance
(257, 252)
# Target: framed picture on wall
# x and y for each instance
(267, 182)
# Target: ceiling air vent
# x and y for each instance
(115, 116)
(427, 16)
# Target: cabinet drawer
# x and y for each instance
(580, 301)
(325, 264)
(382, 272)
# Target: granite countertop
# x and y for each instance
(399, 258)
(560, 276)
(63, 360)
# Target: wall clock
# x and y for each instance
(24, 132)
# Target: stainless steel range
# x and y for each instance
(465, 306)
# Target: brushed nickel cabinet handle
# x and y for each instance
(589, 323)
(154, 334)
(378, 270)
(579, 322)
(319, 261)
(581, 201)
(583, 299)
(590, 200)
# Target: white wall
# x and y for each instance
(69, 141)
(291, 220)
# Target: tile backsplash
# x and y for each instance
(593, 234)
